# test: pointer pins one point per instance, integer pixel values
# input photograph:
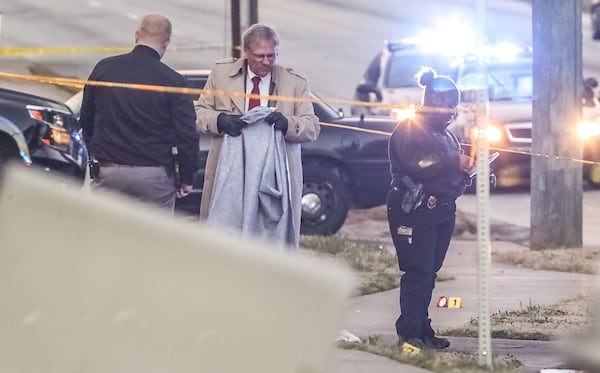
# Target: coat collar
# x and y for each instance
(238, 71)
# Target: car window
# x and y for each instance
(323, 110)
(506, 82)
(403, 67)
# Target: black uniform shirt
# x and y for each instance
(138, 127)
(429, 154)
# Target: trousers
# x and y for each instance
(150, 185)
(421, 239)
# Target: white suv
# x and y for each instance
(390, 77)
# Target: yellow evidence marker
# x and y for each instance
(410, 349)
(454, 302)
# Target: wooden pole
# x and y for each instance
(236, 35)
(556, 185)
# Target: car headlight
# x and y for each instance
(492, 133)
(55, 134)
(403, 113)
(59, 136)
(588, 129)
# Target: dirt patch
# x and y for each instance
(373, 223)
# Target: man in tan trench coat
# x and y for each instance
(220, 115)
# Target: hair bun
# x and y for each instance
(425, 76)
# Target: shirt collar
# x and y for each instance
(252, 75)
(140, 48)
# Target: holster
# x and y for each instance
(94, 167)
(413, 194)
(176, 172)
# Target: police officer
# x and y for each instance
(429, 171)
(141, 138)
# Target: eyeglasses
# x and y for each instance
(260, 57)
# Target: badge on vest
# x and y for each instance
(403, 230)
(431, 202)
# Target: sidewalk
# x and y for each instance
(511, 288)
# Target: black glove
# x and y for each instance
(278, 121)
(230, 124)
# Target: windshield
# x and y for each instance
(506, 82)
(403, 67)
(323, 110)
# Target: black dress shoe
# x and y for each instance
(436, 343)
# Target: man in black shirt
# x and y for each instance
(141, 138)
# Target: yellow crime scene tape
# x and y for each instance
(24, 51)
(79, 83)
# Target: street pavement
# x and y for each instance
(511, 288)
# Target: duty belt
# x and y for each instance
(432, 201)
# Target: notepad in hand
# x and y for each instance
(491, 158)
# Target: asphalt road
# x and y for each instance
(331, 41)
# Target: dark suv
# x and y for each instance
(40, 132)
(345, 168)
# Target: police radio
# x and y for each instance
(175, 153)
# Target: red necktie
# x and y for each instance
(254, 102)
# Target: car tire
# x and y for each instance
(595, 13)
(8, 149)
(324, 200)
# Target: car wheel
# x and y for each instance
(596, 23)
(324, 200)
(8, 149)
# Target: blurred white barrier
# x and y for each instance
(95, 283)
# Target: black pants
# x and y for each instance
(421, 239)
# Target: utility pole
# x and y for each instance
(556, 184)
(236, 35)
(244, 13)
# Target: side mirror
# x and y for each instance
(365, 92)
(366, 88)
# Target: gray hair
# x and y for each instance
(256, 32)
